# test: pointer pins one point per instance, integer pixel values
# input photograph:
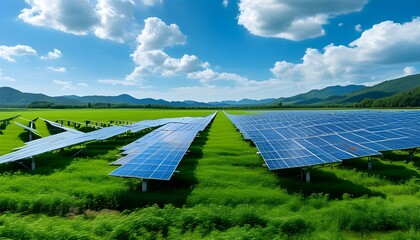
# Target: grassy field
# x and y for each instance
(222, 191)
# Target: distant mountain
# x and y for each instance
(13, 97)
(384, 89)
(333, 96)
(243, 102)
(315, 96)
(352, 94)
(410, 98)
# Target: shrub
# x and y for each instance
(295, 226)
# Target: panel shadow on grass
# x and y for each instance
(383, 169)
(321, 182)
(50, 162)
(175, 191)
(402, 156)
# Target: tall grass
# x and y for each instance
(222, 191)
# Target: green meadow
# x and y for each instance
(222, 190)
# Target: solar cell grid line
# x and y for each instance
(371, 131)
(146, 140)
(69, 138)
(153, 161)
(160, 159)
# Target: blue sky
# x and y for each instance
(207, 50)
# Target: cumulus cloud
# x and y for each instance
(385, 45)
(114, 15)
(9, 53)
(156, 35)
(58, 69)
(293, 20)
(208, 77)
(152, 60)
(76, 17)
(150, 56)
(107, 19)
(55, 54)
(358, 28)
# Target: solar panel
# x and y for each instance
(73, 137)
(54, 124)
(289, 139)
(157, 155)
(9, 119)
(27, 128)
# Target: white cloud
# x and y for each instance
(9, 53)
(225, 3)
(380, 49)
(77, 16)
(55, 54)
(151, 58)
(156, 35)
(82, 85)
(114, 15)
(5, 78)
(409, 70)
(209, 77)
(107, 19)
(389, 42)
(58, 69)
(118, 82)
(293, 20)
(341, 24)
(66, 85)
(151, 2)
(358, 28)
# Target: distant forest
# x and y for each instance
(406, 99)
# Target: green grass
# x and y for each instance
(222, 191)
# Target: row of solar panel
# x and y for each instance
(157, 155)
(73, 137)
(288, 139)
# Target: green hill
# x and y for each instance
(384, 89)
(13, 98)
(409, 98)
(316, 95)
(353, 94)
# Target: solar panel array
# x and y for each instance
(288, 139)
(157, 154)
(73, 137)
(28, 128)
(9, 119)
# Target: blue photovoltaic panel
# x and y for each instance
(289, 139)
(157, 155)
(73, 137)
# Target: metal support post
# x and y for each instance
(308, 175)
(369, 163)
(33, 164)
(31, 125)
(411, 154)
(144, 185)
